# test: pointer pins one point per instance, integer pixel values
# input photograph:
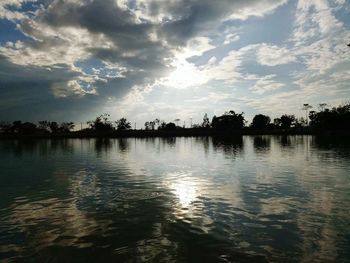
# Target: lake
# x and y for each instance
(240, 199)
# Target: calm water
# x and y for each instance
(248, 199)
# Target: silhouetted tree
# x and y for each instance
(5, 127)
(66, 127)
(260, 121)
(22, 128)
(44, 125)
(230, 120)
(162, 125)
(53, 127)
(28, 128)
(300, 122)
(170, 126)
(285, 121)
(157, 122)
(123, 124)
(16, 126)
(206, 121)
(147, 126)
(338, 118)
(150, 125)
(101, 124)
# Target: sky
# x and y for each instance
(72, 60)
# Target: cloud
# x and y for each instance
(231, 37)
(317, 46)
(7, 13)
(144, 37)
(228, 69)
(95, 52)
(271, 55)
(266, 84)
(70, 88)
(314, 18)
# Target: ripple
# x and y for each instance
(194, 200)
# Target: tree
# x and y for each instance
(123, 124)
(150, 125)
(54, 127)
(285, 121)
(338, 118)
(306, 108)
(157, 122)
(230, 120)
(260, 121)
(66, 127)
(28, 128)
(44, 125)
(16, 126)
(5, 127)
(147, 127)
(101, 124)
(206, 121)
(301, 122)
(162, 125)
(170, 126)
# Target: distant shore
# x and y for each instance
(327, 122)
(176, 133)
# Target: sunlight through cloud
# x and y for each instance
(185, 75)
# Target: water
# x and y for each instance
(245, 199)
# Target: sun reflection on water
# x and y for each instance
(185, 191)
(185, 187)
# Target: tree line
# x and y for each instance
(326, 119)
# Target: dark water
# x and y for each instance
(249, 199)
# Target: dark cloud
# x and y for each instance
(104, 17)
(11, 73)
(198, 17)
(25, 90)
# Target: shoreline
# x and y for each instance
(175, 133)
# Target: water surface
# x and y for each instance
(243, 199)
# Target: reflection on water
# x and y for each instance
(262, 144)
(185, 190)
(240, 199)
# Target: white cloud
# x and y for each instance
(70, 88)
(7, 9)
(271, 55)
(229, 68)
(195, 47)
(314, 18)
(174, 10)
(259, 8)
(231, 37)
(266, 84)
